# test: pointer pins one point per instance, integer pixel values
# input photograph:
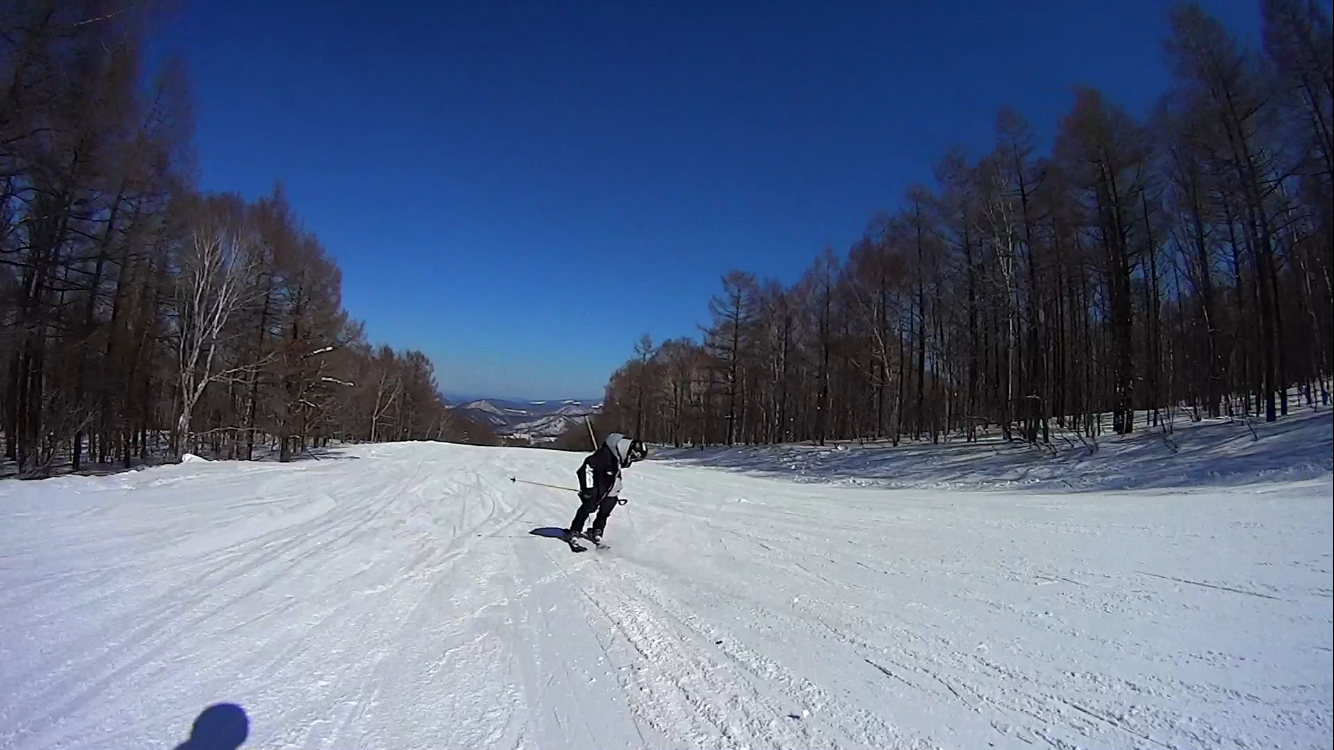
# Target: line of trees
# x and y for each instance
(139, 315)
(1180, 259)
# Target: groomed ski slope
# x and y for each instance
(394, 596)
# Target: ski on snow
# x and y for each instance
(575, 546)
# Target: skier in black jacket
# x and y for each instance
(600, 483)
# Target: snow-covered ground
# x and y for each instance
(1211, 453)
(397, 596)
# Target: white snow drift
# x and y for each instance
(396, 597)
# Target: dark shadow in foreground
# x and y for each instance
(222, 726)
(549, 531)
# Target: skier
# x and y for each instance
(600, 484)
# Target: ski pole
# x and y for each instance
(622, 501)
(542, 484)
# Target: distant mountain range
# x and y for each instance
(538, 421)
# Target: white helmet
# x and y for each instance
(627, 451)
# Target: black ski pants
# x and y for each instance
(604, 509)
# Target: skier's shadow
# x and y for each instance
(549, 531)
(222, 726)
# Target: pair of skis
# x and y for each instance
(570, 539)
(575, 546)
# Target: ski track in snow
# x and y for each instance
(394, 597)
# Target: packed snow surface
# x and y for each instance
(408, 596)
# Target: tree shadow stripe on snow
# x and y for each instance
(1215, 453)
(1213, 586)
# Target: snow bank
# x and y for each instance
(1215, 453)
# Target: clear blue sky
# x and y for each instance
(521, 189)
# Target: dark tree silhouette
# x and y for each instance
(1179, 261)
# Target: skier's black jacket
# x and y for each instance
(605, 467)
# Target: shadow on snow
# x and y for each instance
(222, 726)
(1212, 453)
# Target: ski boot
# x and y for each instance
(572, 539)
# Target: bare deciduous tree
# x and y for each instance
(217, 276)
(1181, 260)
